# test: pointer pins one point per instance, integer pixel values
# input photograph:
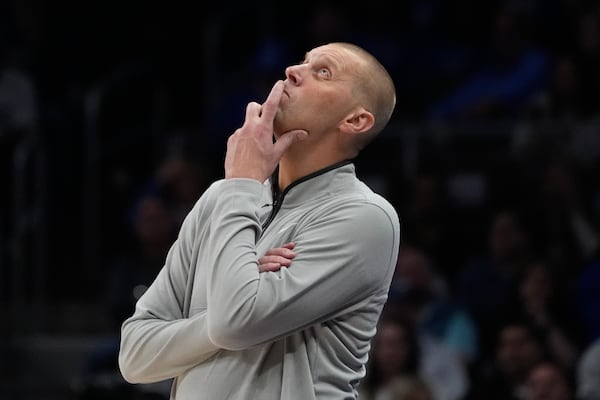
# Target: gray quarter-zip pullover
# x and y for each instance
(225, 331)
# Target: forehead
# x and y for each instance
(336, 54)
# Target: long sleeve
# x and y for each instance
(161, 340)
(343, 257)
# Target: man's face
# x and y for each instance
(318, 92)
(517, 351)
(391, 348)
(546, 382)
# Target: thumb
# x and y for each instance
(289, 138)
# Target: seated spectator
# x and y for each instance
(548, 381)
(422, 293)
(399, 355)
(487, 282)
(180, 180)
(443, 370)
(395, 355)
(426, 219)
(519, 348)
(538, 300)
(560, 215)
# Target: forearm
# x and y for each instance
(154, 350)
(233, 275)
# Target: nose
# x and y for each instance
(293, 74)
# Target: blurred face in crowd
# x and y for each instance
(536, 287)
(154, 224)
(547, 382)
(391, 349)
(505, 237)
(413, 269)
(518, 351)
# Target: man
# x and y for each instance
(228, 316)
(548, 380)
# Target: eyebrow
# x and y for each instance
(325, 57)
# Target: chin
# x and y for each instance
(280, 127)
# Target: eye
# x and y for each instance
(324, 72)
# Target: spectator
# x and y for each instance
(426, 220)
(180, 180)
(422, 293)
(519, 348)
(486, 283)
(559, 215)
(548, 381)
(395, 355)
(539, 301)
(400, 354)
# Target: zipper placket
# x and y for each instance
(278, 200)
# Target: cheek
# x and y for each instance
(314, 112)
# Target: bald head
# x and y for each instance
(374, 87)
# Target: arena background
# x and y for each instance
(104, 105)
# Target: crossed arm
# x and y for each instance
(171, 331)
(158, 342)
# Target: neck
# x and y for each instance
(293, 168)
(311, 155)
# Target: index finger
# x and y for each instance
(269, 107)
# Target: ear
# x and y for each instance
(360, 120)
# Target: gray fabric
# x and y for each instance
(226, 331)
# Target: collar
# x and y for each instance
(321, 182)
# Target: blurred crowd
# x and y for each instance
(114, 117)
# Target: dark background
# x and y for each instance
(497, 102)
